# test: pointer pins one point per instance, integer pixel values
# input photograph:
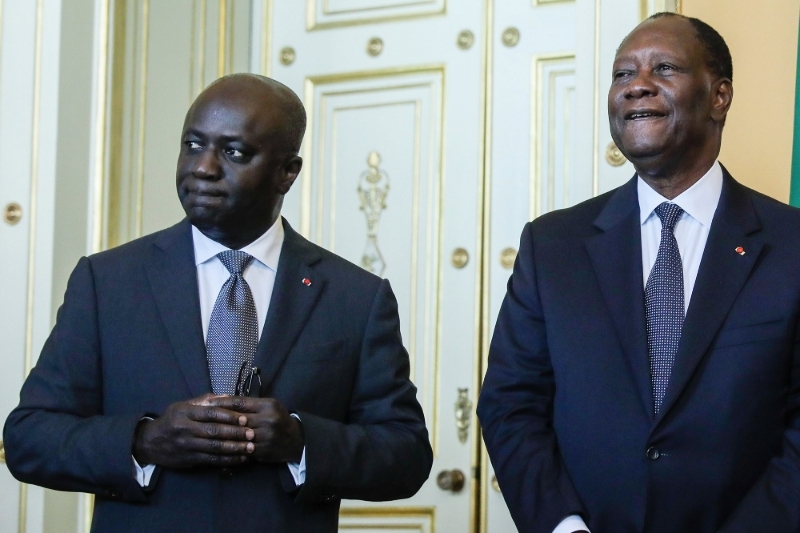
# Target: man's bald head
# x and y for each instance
(239, 157)
(285, 109)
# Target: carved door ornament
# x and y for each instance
(373, 187)
(463, 414)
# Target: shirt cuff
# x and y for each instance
(143, 473)
(571, 524)
(298, 470)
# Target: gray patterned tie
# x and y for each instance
(664, 303)
(233, 329)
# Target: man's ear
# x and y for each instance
(291, 169)
(722, 94)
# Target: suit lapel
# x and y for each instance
(616, 256)
(173, 280)
(291, 304)
(723, 273)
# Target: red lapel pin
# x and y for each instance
(739, 250)
(306, 282)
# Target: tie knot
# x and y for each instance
(235, 261)
(669, 214)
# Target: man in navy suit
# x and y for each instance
(312, 404)
(644, 374)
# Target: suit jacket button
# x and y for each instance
(225, 473)
(653, 453)
(115, 495)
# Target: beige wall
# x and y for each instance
(762, 36)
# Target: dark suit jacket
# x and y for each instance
(567, 404)
(128, 341)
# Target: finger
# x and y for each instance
(205, 398)
(202, 400)
(241, 404)
(219, 415)
(219, 446)
(204, 459)
(278, 420)
(211, 430)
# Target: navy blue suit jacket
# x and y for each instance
(128, 341)
(567, 404)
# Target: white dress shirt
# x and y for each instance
(259, 275)
(699, 203)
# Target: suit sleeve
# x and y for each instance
(383, 452)
(516, 407)
(58, 436)
(773, 504)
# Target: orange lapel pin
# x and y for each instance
(306, 282)
(739, 250)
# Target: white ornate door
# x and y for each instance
(392, 181)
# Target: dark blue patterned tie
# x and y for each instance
(233, 329)
(663, 296)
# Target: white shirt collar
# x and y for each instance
(266, 249)
(699, 201)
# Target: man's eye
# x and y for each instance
(621, 74)
(664, 67)
(235, 154)
(193, 145)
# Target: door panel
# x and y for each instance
(382, 210)
(392, 182)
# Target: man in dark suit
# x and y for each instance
(644, 374)
(316, 408)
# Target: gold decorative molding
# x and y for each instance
(224, 47)
(99, 171)
(143, 116)
(463, 411)
(309, 100)
(614, 156)
(34, 194)
(373, 188)
(312, 24)
(495, 484)
(2, 452)
(12, 213)
(197, 58)
(465, 39)
(388, 518)
(561, 65)
(596, 103)
(483, 313)
(266, 37)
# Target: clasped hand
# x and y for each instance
(220, 431)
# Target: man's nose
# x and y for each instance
(641, 85)
(206, 165)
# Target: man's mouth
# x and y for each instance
(207, 192)
(644, 115)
